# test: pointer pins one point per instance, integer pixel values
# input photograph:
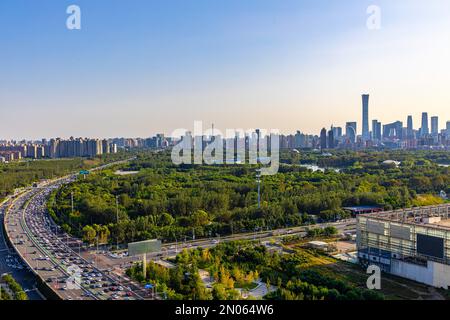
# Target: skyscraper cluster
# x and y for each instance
(389, 135)
(79, 147)
(55, 148)
(159, 141)
(11, 151)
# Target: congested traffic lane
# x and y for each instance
(36, 238)
(93, 280)
(28, 245)
(11, 263)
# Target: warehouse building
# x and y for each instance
(411, 243)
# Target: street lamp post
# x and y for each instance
(117, 220)
(258, 181)
(72, 209)
(96, 254)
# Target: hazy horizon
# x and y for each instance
(139, 68)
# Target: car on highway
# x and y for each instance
(52, 248)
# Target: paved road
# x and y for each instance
(30, 246)
(11, 263)
(105, 261)
(35, 237)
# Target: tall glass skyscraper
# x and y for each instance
(365, 119)
(350, 131)
(410, 128)
(376, 130)
(424, 131)
(434, 126)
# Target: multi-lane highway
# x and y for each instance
(42, 247)
(11, 263)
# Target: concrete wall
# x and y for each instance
(434, 274)
(412, 271)
(441, 274)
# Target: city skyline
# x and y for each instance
(415, 121)
(385, 136)
(146, 68)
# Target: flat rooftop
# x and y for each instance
(444, 223)
(363, 209)
(416, 216)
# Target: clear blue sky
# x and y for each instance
(139, 67)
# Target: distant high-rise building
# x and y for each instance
(365, 119)
(376, 130)
(323, 139)
(350, 131)
(299, 140)
(32, 151)
(337, 131)
(448, 128)
(424, 129)
(393, 130)
(57, 148)
(434, 126)
(54, 148)
(410, 128)
(41, 152)
(105, 146)
(331, 143)
(113, 148)
(160, 139)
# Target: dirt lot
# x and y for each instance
(346, 246)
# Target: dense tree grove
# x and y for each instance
(237, 265)
(20, 174)
(4, 295)
(174, 202)
(322, 232)
(15, 288)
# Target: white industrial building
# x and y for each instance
(410, 243)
